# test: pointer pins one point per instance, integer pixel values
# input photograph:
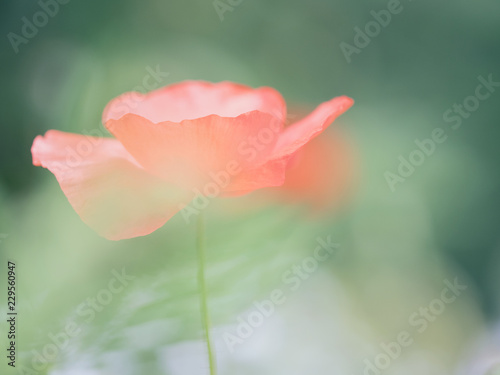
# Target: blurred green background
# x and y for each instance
(397, 247)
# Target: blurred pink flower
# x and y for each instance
(321, 174)
(172, 143)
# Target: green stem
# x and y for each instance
(205, 318)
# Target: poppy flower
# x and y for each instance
(172, 142)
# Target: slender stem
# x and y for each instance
(200, 245)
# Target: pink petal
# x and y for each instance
(271, 173)
(196, 99)
(105, 185)
(298, 134)
(189, 153)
